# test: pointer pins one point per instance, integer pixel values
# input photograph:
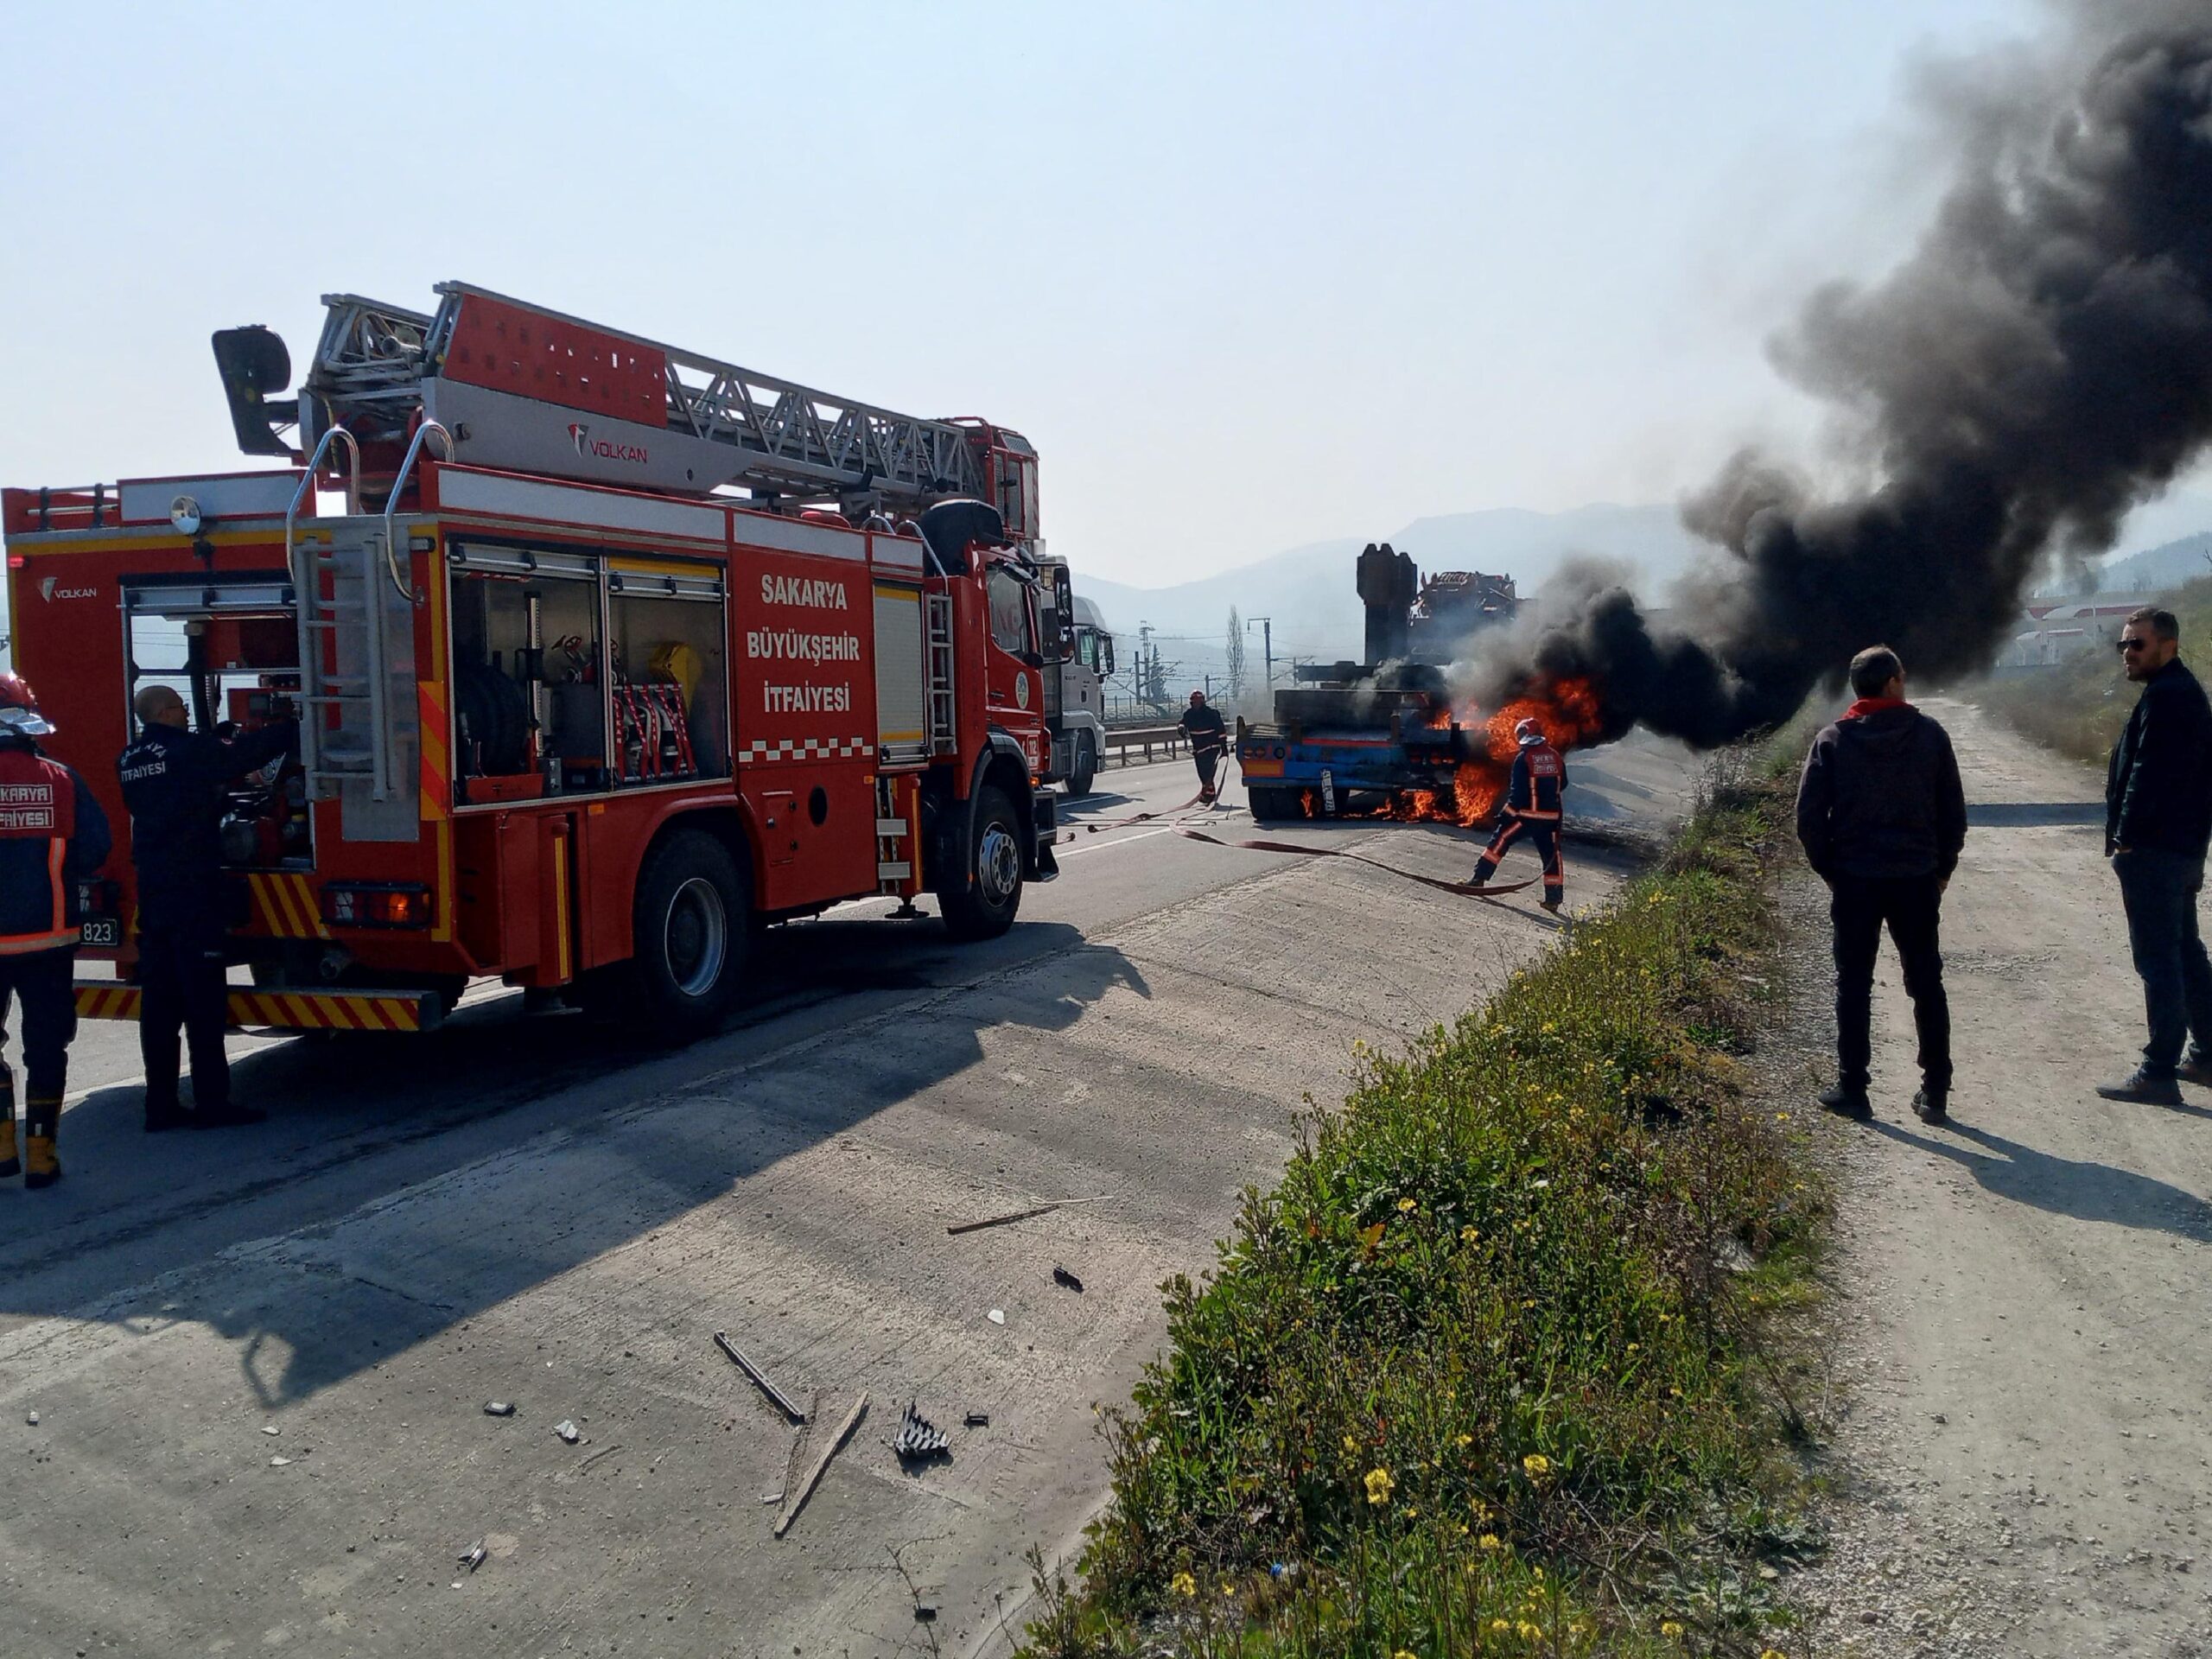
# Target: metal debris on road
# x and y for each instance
(978, 1420)
(567, 1431)
(498, 1408)
(919, 1437)
(473, 1557)
(782, 1400)
(1024, 1215)
(1062, 1276)
(996, 1316)
(795, 1498)
(31, 1419)
(771, 1498)
(279, 1463)
(270, 1428)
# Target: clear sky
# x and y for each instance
(1248, 275)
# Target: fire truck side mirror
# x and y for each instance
(253, 364)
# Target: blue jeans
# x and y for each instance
(2159, 890)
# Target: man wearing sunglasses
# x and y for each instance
(2157, 819)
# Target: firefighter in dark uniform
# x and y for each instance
(1209, 739)
(1532, 809)
(174, 781)
(53, 833)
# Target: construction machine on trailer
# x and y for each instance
(604, 655)
(1362, 736)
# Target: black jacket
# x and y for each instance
(174, 784)
(2159, 787)
(1208, 731)
(1881, 799)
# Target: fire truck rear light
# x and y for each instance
(376, 906)
(16, 561)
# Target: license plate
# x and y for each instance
(101, 930)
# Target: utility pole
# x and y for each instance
(1266, 645)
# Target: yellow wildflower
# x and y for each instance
(1401, 1653)
(1774, 1653)
(1470, 1234)
(1465, 1440)
(1407, 1206)
(1537, 1464)
(1351, 1444)
(1184, 1584)
(1227, 1588)
(1635, 1347)
(1501, 1625)
(1670, 1628)
(1489, 1541)
(1378, 1485)
(1528, 1632)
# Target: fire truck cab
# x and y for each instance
(572, 712)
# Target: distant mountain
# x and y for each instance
(1308, 590)
(2155, 567)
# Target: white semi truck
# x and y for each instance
(1074, 703)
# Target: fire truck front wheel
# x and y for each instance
(984, 907)
(691, 929)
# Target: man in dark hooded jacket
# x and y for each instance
(2157, 819)
(1882, 816)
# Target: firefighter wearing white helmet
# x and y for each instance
(1532, 810)
(53, 833)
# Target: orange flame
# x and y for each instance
(1566, 711)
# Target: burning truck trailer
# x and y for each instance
(1389, 737)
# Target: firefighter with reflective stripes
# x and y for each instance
(1532, 809)
(53, 833)
(174, 781)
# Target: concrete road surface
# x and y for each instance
(259, 1359)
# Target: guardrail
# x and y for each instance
(1118, 741)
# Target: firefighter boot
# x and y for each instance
(9, 1163)
(41, 1117)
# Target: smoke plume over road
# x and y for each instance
(2041, 362)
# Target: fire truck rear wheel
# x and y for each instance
(691, 926)
(985, 908)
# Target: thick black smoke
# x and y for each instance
(2041, 363)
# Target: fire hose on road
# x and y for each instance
(1462, 889)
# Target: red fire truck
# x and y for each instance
(610, 655)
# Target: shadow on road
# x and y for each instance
(2067, 1187)
(2032, 815)
(356, 1120)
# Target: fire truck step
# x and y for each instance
(368, 1010)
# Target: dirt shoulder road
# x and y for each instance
(2024, 1293)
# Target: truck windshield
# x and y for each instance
(1010, 612)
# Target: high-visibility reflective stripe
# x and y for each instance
(56, 851)
(23, 944)
(285, 1010)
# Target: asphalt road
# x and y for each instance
(533, 1210)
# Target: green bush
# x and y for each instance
(1473, 1377)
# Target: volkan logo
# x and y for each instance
(601, 449)
(48, 592)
